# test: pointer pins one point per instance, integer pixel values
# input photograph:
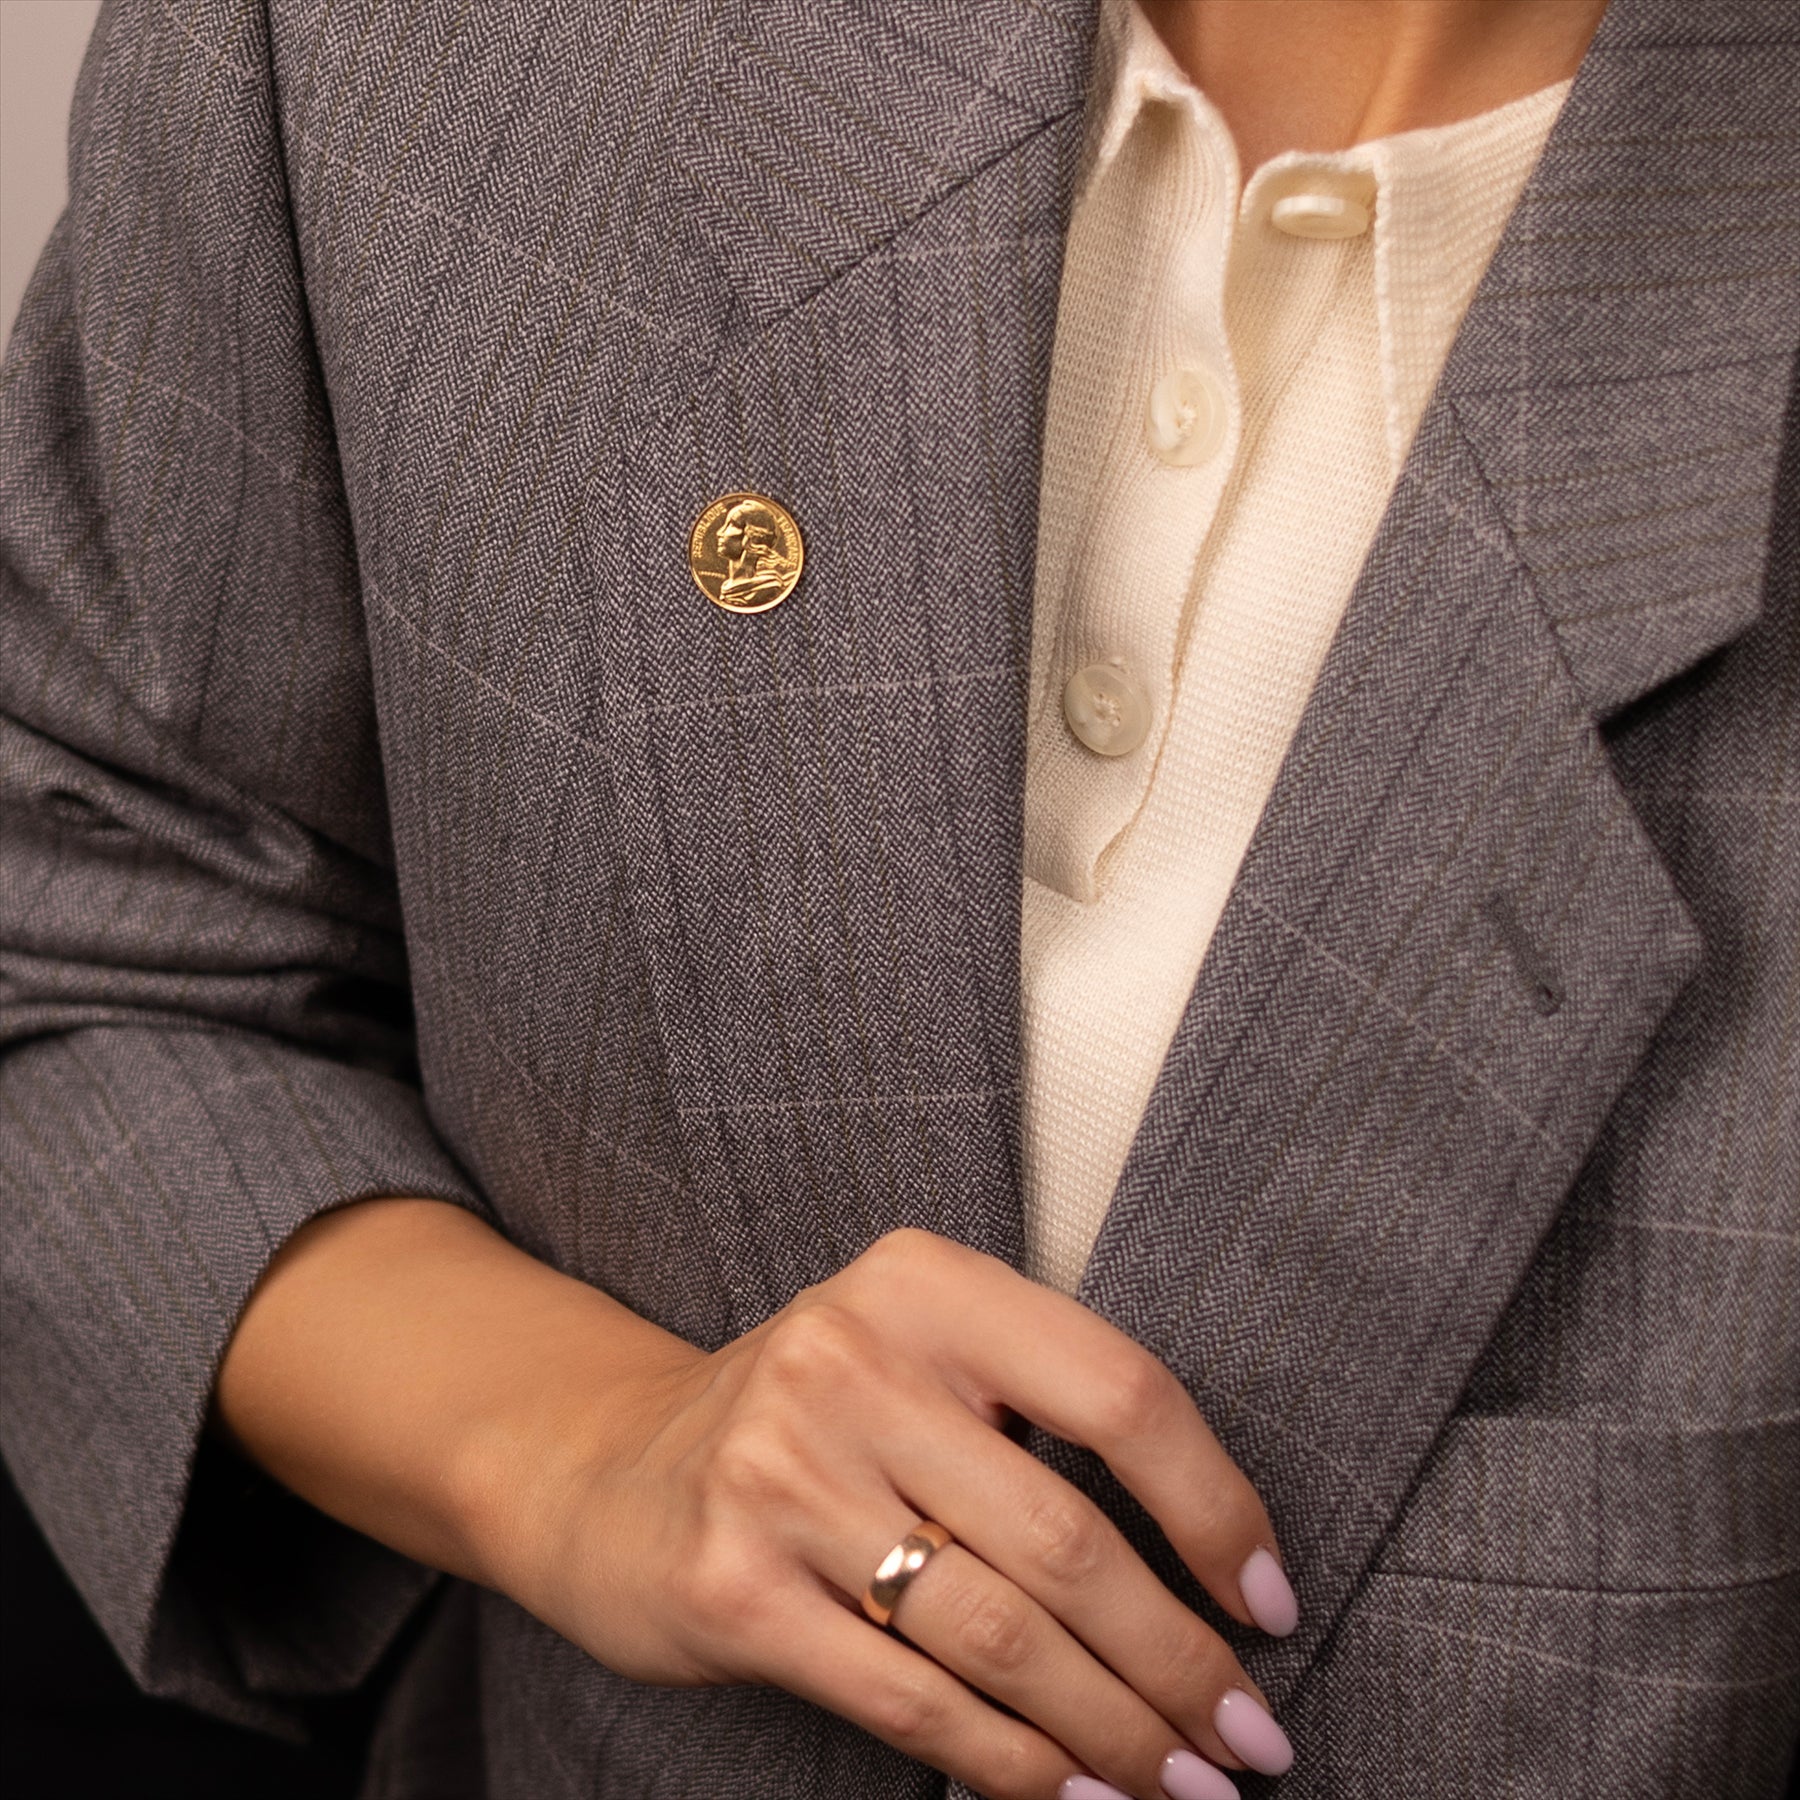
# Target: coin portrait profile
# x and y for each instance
(745, 553)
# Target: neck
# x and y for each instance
(1325, 74)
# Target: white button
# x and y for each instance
(1106, 709)
(1320, 215)
(1185, 421)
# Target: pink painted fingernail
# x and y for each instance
(1185, 1777)
(1241, 1721)
(1267, 1594)
(1089, 1787)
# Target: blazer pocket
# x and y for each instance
(1568, 1503)
(1569, 1608)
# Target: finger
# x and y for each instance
(1056, 1545)
(983, 1627)
(972, 1620)
(1012, 1341)
(841, 1661)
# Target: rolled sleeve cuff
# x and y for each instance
(150, 1176)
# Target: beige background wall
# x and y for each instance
(41, 42)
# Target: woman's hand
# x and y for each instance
(730, 1536)
(693, 1518)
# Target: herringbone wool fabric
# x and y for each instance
(358, 703)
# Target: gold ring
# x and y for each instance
(900, 1565)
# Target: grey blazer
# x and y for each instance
(385, 812)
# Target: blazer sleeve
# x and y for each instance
(204, 1001)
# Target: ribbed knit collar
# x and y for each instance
(1442, 195)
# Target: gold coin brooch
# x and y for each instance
(745, 553)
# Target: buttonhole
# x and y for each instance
(1532, 962)
(76, 809)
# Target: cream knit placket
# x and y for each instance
(1230, 403)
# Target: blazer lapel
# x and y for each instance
(819, 805)
(1451, 941)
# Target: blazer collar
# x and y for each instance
(1623, 369)
(819, 133)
